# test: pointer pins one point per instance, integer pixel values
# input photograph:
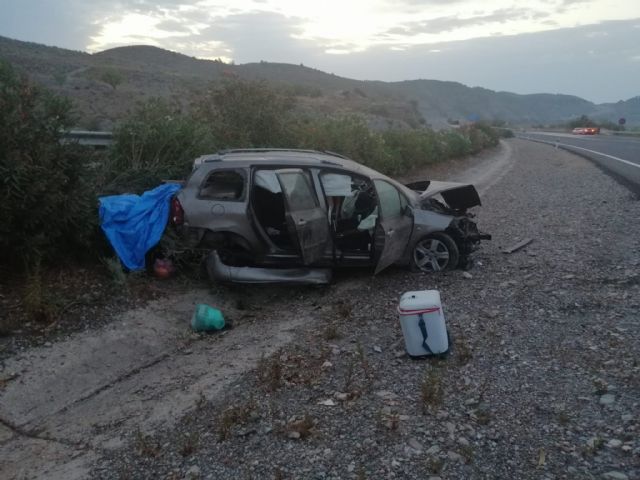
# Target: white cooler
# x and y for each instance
(422, 323)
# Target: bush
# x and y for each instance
(155, 142)
(348, 135)
(46, 204)
(247, 113)
(455, 144)
(413, 148)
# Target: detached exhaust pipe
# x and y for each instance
(220, 272)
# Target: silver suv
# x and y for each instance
(272, 215)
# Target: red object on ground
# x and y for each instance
(163, 268)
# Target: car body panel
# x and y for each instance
(394, 225)
(306, 219)
(392, 233)
(459, 196)
(222, 272)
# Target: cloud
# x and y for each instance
(273, 37)
(173, 25)
(452, 22)
(556, 61)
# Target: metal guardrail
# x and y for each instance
(97, 140)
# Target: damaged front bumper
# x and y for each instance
(466, 233)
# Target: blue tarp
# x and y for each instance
(134, 223)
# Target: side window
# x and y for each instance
(403, 202)
(223, 185)
(390, 200)
(299, 191)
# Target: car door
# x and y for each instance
(393, 229)
(305, 218)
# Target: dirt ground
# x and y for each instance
(541, 383)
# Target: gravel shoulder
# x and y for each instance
(542, 381)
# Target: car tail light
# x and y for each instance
(177, 213)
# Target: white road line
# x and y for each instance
(593, 151)
(603, 154)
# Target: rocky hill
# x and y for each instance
(105, 85)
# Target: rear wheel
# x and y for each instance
(435, 252)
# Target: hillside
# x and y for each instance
(105, 85)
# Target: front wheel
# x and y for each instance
(435, 252)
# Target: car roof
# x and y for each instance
(290, 157)
(284, 157)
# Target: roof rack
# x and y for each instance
(265, 150)
(329, 152)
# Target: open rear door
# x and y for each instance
(393, 229)
(305, 218)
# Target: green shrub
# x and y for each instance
(46, 203)
(247, 113)
(413, 148)
(155, 142)
(455, 144)
(348, 135)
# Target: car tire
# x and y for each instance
(435, 252)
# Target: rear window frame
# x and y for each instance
(240, 171)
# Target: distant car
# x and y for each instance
(262, 208)
(586, 130)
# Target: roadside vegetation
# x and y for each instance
(49, 189)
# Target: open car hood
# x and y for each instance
(459, 196)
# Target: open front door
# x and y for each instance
(306, 220)
(393, 229)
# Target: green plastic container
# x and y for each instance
(206, 319)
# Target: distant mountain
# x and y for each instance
(105, 85)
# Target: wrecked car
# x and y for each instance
(293, 215)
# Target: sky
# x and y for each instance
(588, 48)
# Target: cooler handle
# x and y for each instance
(423, 330)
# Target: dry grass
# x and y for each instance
(463, 351)
(146, 445)
(432, 390)
(390, 420)
(269, 372)
(467, 453)
(435, 465)
(331, 332)
(234, 416)
(189, 444)
(343, 309)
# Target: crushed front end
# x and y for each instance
(454, 200)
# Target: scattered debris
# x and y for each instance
(300, 428)
(518, 246)
(542, 458)
(206, 319)
(163, 268)
(607, 399)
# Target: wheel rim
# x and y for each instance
(431, 255)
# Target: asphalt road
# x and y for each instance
(620, 155)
